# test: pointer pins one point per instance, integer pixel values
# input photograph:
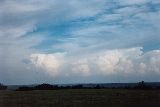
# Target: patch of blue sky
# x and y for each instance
(154, 45)
(60, 32)
(153, 7)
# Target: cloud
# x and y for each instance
(109, 17)
(99, 38)
(130, 61)
(49, 62)
(119, 61)
(14, 32)
(132, 2)
(81, 67)
(151, 60)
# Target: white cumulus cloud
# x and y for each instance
(81, 67)
(49, 62)
(131, 61)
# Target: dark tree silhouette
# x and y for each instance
(98, 87)
(25, 88)
(143, 85)
(77, 86)
(3, 87)
(44, 87)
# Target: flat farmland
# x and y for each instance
(81, 98)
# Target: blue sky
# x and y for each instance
(79, 41)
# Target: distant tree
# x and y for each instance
(25, 88)
(98, 87)
(3, 87)
(142, 85)
(56, 86)
(65, 87)
(77, 87)
(44, 87)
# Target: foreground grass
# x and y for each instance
(81, 98)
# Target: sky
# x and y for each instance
(79, 41)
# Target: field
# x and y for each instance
(81, 98)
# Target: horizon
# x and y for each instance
(78, 41)
(81, 83)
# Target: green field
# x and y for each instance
(81, 98)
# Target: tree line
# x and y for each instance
(44, 86)
(139, 86)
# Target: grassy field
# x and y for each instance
(81, 98)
